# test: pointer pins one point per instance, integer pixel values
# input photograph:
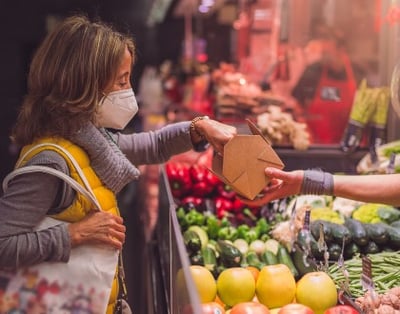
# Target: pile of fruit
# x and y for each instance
(233, 243)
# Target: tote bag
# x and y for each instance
(82, 285)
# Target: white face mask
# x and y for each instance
(117, 109)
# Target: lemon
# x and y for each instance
(235, 285)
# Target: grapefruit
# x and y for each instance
(275, 286)
(316, 290)
(235, 285)
(204, 283)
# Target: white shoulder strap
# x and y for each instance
(85, 191)
(67, 153)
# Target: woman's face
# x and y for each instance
(122, 80)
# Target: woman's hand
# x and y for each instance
(216, 133)
(282, 184)
(98, 228)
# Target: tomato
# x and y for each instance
(249, 308)
(295, 308)
(341, 309)
(212, 308)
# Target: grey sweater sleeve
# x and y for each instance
(24, 204)
(156, 146)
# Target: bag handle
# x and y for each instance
(88, 193)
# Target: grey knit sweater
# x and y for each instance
(30, 197)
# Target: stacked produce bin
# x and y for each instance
(338, 234)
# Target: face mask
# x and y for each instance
(117, 109)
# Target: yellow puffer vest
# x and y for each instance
(80, 206)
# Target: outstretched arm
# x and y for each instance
(366, 188)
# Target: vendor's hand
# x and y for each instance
(216, 133)
(282, 184)
(98, 228)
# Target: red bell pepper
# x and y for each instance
(225, 190)
(179, 179)
(204, 181)
(223, 207)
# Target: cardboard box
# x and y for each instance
(245, 158)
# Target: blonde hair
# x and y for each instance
(67, 76)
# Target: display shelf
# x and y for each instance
(327, 158)
(173, 287)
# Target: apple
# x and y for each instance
(249, 308)
(341, 309)
(212, 308)
(295, 308)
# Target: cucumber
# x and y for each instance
(327, 228)
(192, 241)
(285, 258)
(252, 259)
(210, 259)
(394, 237)
(334, 250)
(350, 250)
(370, 248)
(269, 258)
(377, 232)
(201, 233)
(357, 230)
(229, 255)
(304, 264)
(340, 233)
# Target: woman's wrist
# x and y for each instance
(197, 129)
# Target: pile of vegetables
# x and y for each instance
(385, 273)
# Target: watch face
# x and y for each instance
(330, 93)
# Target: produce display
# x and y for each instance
(304, 252)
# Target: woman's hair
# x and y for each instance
(67, 77)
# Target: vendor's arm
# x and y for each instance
(365, 188)
(160, 145)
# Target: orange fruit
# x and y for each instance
(254, 271)
(316, 290)
(204, 282)
(275, 286)
(235, 285)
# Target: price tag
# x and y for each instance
(366, 277)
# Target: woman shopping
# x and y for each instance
(78, 88)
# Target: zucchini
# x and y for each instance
(327, 227)
(252, 259)
(229, 254)
(196, 259)
(357, 230)
(334, 250)
(210, 259)
(304, 264)
(396, 224)
(192, 241)
(285, 258)
(269, 258)
(370, 248)
(377, 232)
(307, 242)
